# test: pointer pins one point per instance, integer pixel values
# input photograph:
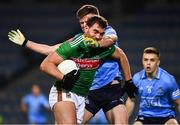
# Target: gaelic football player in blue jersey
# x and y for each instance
(106, 92)
(157, 90)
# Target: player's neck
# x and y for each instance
(151, 75)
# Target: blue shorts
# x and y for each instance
(106, 98)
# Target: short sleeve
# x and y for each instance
(64, 50)
(45, 101)
(109, 31)
(136, 79)
(174, 89)
(25, 99)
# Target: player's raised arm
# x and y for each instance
(41, 48)
(18, 38)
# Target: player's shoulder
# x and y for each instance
(77, 35)
(78, 38)
(110, 29)
(27, 97)
(42, 96)
(137, 76)
(166, 76)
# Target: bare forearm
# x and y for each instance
(41, 48)
(123, 61)
(23, 107)
(49, 66)
(51, 70)
(106, 42)
(125, 67)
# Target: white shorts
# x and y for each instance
(78, 100)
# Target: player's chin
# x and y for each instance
(148, 70)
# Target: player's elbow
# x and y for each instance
(114, 39)
(43, 66)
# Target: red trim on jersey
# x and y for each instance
(87, 63)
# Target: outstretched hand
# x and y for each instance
(17, 37)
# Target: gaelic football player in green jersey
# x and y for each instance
(66, 107)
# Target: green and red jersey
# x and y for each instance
(87, 58)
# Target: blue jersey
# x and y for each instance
(109, 69)
(35, 105)
(157, 95)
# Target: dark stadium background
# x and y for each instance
(139, 24)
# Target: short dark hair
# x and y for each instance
(97, 19)
(86, 9)
(152, 50)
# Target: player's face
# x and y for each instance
(35, 90)
(95, 31)
(83, 21)
(150, 63)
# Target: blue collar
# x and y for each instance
(157, 76)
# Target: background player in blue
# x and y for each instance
(34, 105)
(105, 74)
(157, 90)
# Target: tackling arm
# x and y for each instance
(129, 86)
(120, 55)
(107, 41)
(109, 38)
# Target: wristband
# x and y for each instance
(24, 43)
(130, 88)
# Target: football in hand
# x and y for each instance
(67, 66)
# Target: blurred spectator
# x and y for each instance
(34, 105)
(99, 118)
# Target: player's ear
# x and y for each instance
(158, 63)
